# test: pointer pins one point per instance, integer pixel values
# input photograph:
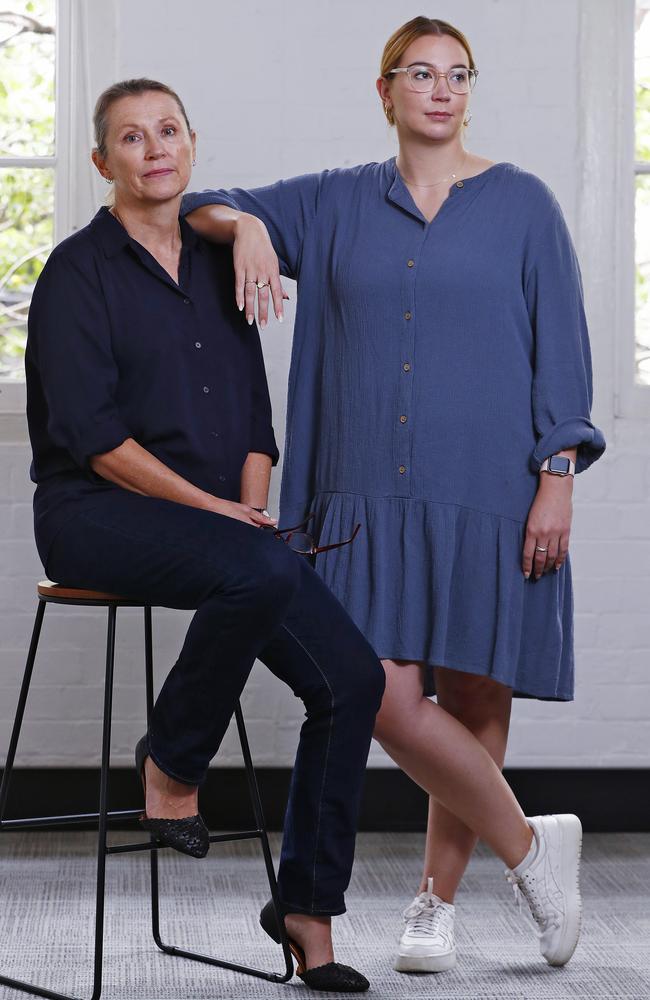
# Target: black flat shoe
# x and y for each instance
(188, 835)
(333, 977)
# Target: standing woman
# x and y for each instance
(440, 394)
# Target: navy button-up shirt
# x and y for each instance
(117, 349)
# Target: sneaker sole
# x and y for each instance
(571, 837)
(425, 963)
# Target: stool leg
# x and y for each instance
(261, 826)
(257, 834)
(103, 803)
(148, 671)
(20, 710)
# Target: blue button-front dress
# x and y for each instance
(434, 367)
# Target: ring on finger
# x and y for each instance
(538, 548)
(262, 284)
(250, 281)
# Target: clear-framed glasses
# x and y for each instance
(424, 78)
(301, 541)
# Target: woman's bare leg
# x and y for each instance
(483, 706)
(448, 762)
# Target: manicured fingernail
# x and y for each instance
(240, 306)
(249, 320)
(281, 318)
(557, 569)
(526, 575)
(262, 324)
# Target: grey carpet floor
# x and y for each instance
(47, 913)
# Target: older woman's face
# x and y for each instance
(149, 151)
(420, 114)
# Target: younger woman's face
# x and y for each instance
(437, 115)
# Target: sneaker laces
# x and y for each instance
(528, 889)
(424, 913)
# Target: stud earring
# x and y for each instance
(109, 180)
(467, 118)
(193, 163)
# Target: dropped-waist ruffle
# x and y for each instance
(442, 584)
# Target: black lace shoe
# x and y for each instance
(333, 977)
(188, 835)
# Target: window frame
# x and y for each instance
(12, 391)
(631, 399)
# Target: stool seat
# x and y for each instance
(75, 595)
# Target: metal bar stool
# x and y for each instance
(52, 593)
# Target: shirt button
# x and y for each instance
(459, 184)
(407, 315)
(402, 469)
(215, 434)
(186, 302)
(410, 263)
(222, 479)
(402, 419)
(198, 345)
(206, 388)
(406, 366)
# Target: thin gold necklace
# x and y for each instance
(449, 177)
(115, 212)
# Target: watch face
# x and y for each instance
(559, 464)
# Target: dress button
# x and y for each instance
(406, 366)
(222, 479)
(459, 184)
(198, 345)
(402, 419)
(215, 434)
(402, 469)
(410, 263)
(206, 388)
(407, 315)
(186, 302)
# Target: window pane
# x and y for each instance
(27, 78)
(26, 215)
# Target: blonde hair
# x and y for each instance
(400, 40)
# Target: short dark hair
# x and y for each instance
(127, 88)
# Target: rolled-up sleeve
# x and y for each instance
(287, 209)
(562, 379)
(262, 438)
(70, 341)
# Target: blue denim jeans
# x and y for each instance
(255, 599)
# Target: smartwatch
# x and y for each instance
(558, 465)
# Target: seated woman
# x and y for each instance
(151, 431)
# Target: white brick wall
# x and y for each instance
(306, 101)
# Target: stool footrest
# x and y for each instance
(69, 820)
(216, 838)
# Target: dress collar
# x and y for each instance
(399, 194)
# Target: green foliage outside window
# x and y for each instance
(27, 57)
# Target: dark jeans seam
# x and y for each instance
(327, 753)
(299, 908)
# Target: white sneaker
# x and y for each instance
(427, 944)
(549, 882)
